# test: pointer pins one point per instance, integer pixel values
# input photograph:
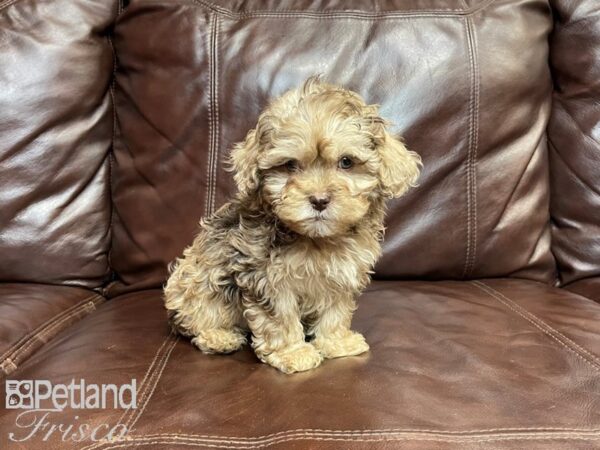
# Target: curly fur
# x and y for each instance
(270, 262)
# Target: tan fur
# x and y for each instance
(268, 262)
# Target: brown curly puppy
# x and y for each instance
(289, 255)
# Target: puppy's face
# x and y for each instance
(321, 157)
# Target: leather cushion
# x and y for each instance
(491, 364)
(467, 86)
(588, 287)
(32, 314)
(574, 134)
(56, 125)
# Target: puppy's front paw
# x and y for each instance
(219, 341)
(350, 344)
(295, 359)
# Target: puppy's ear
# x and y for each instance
(400, 167)
(243, 159)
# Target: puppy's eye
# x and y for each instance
(345, 163)
(291, 165)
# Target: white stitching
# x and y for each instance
(472, 151)
(162, 364)
(52, 319)
(468, 159)
(43, 330)
(39, 337)
(211, 114)
(475, 50)
(216, 114)
(210, 125)
(144, 385)
(317, 431)
(8, 366)
(141, 390)
(373, 438)
(541, 325)
(340, 13)
(7, 4)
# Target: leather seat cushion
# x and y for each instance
(32, 314)
(588, 287)
(507, 363)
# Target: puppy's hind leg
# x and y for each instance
(212, 325)
(204, 314)
(219, 340)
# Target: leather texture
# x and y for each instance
(56, 126)
(499, 97)
(32, 314)
(482, 364)
(574, 134)
(589, 287)
(470, 98)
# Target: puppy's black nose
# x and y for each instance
(319, 202)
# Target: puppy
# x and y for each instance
(288, 256)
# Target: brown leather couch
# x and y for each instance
(483, 318)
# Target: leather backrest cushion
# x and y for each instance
(574, 134)
(56, 122)
(466, 83)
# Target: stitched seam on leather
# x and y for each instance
(86, 308)
(7, 4)
(8, 366)
(198, 444)
(374, 438)
(455, 12)
(23, 340)
(43, 336)
(144, 386)
(341, 13)
(307, 433)
(471, 167)
(162, 365)
(216, 113)
(147, 376)
(111, 155)
(211, 114)
(556, 335)
(468, 159)
(210, 126)
(475, 145)
(388, 431)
